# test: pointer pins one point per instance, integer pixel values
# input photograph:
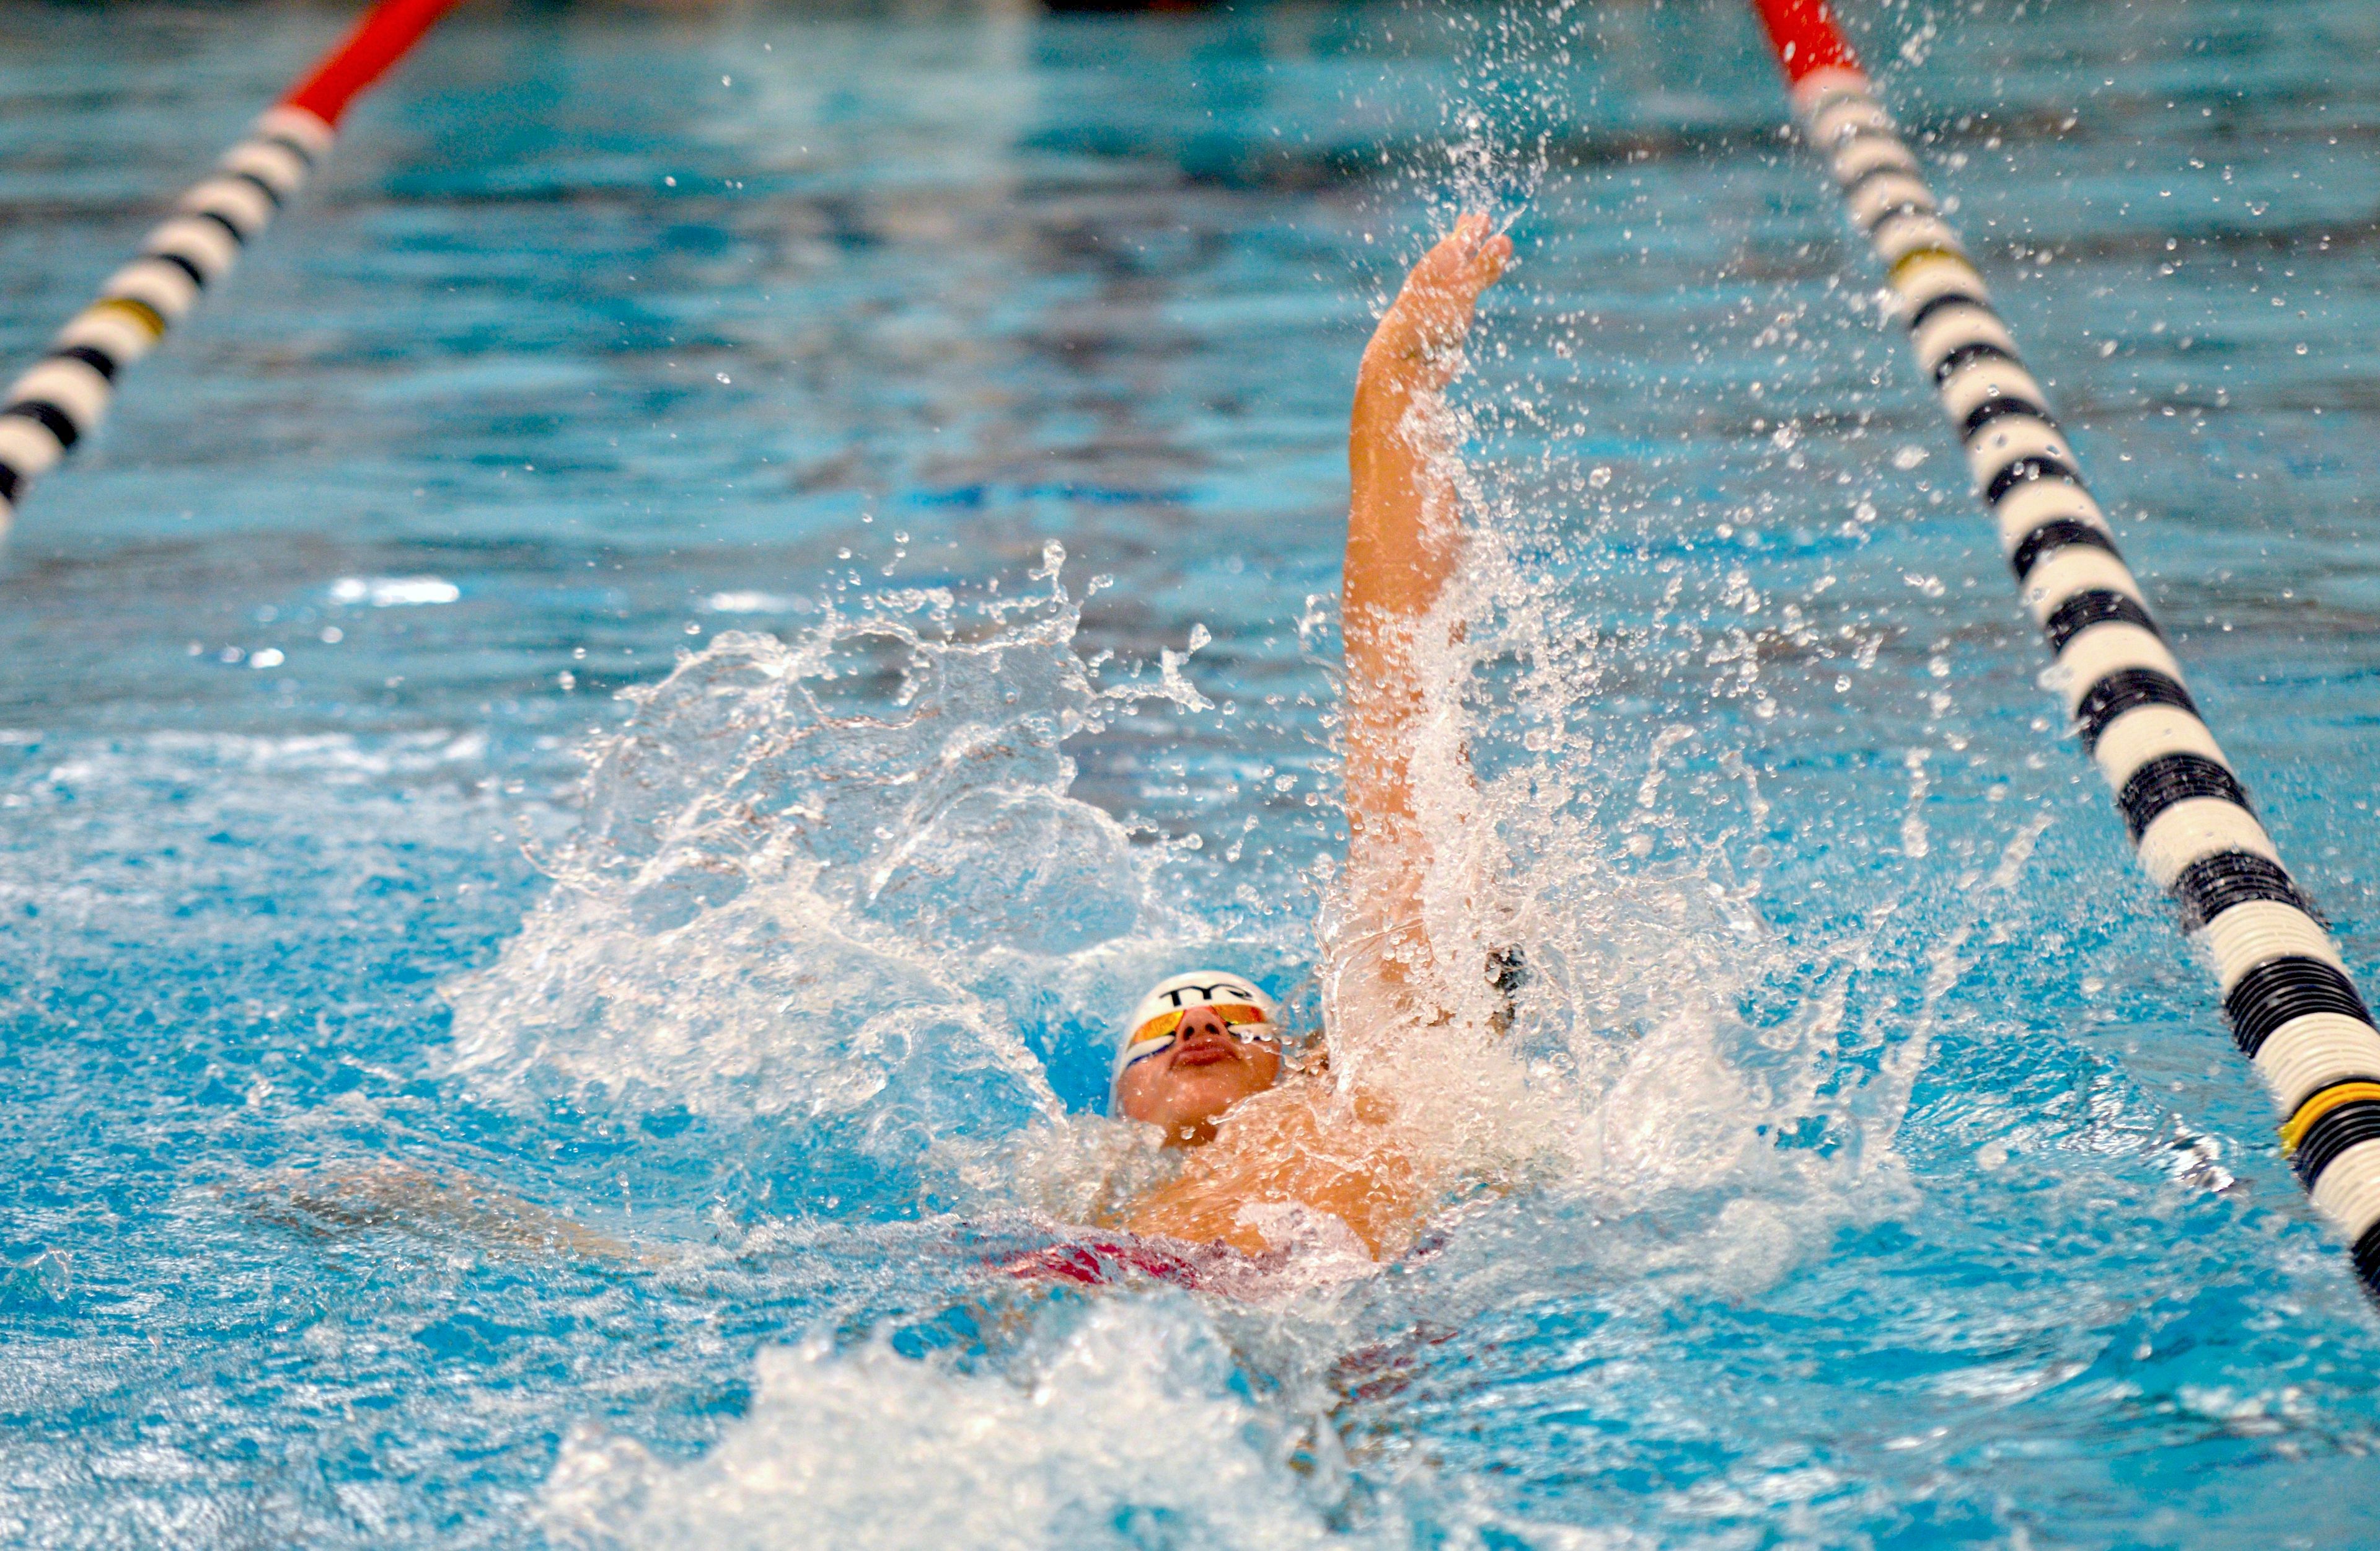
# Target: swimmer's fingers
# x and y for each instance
(1476, 254)
(1481, 268)
(1488, 264)
(1464, 262)
(1427, 326)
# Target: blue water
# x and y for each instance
(1882, 1175)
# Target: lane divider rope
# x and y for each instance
(61, 398)
(2294, 1012)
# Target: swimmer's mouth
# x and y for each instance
(1206, 1050)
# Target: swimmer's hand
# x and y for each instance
(1419, 345)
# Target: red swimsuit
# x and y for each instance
(1108, 1259)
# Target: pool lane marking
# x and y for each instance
(2294, 1010)
(61, 398)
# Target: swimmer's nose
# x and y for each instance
(1202, 1027)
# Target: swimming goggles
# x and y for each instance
(1244, 1022)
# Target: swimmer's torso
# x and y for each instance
(1299, 1144)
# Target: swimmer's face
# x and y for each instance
(1186, 1087)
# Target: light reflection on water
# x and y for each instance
(1884, 1176)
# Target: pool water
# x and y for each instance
(727, 586)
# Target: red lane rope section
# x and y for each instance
(383, 37)
(1805, 37)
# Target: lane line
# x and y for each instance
(61, 399)
(2294, 1010)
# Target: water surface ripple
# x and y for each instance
(1883, 1175)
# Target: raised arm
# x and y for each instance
(1404, 538)
(1308, 1143)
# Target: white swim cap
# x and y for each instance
(1150, 1029)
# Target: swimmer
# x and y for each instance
(1271, 1147)
(1201, 1056)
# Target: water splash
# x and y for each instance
(840, 879)
(1124, 1428)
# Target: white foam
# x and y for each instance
(756, 602)
(394, 591)
(837, 879)
(1126, 1425)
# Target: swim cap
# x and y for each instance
(1150, 1029)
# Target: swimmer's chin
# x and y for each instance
(1228, 1108)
